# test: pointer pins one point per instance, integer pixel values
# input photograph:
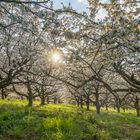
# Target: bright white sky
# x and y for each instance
(80, 6)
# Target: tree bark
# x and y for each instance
(55, 100)
(137, 106)
(30, 95)
(106, 107)
(30, 101)
(78, 104)
(42, 101)
(87, 102)
(138, 112)
(81, 102)
(118, 109)
(98, 109)
(118, 105)
(48, 100)
(97, 104)
(21, 97)
(123, 109)
(2, 94)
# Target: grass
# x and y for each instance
(64, 122)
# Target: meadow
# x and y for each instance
(64, 122)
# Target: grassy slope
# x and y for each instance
(64, 122)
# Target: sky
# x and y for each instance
(79, 5)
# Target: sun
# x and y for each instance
(56, 57)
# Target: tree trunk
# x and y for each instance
(59, 101)
(42, 101)
(97, 104)
(48, 100)
(78, 104)
(21, 97)
(118, 104)
(2, 94)
(30, 98)
(118, 109)
(81, 102)
(98, 110)
(97, 107)
(137, 106)
(123, 109)
(55, 100)
(87, 102)
(30, 101)
(30, 95)
(138, 112)
(106, 107)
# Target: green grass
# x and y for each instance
(64, 122)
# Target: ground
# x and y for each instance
(64, 122)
